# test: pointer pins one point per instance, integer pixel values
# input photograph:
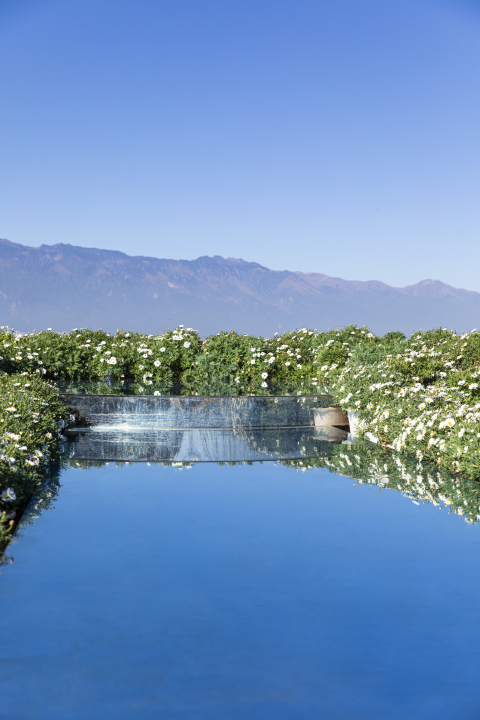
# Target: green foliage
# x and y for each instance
(30, 415)
(91, 355)
(243, 363)
(419, 396)
(393, 336)
(335, 352)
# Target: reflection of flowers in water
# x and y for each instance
(370, 464)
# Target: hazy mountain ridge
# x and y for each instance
(64, 286)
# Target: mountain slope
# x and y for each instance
(62, 286)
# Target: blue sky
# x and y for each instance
(336, 137)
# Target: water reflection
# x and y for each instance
(204, 445)
(219, 388)
(301, 449)
(369, 464)
(32, 503)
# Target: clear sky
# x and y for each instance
(335, 136)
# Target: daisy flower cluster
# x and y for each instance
(30, 417)
(91, 355)
(337, 349)
(419, 396)
(300, 361)
(250, 364)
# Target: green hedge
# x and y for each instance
(30, 415)
(245, 362)
(417, 395)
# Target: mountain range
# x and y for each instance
(63, 286)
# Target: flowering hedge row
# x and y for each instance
(245, 362)
(419, 396)
(30, 415)
(415, 395)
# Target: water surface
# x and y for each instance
(233, 592)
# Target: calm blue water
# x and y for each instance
(226, 593)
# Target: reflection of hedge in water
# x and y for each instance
(363, 461)
(30, 413)
(369, 463)
(44, 496)
(216, 386)
(36, 491)
(293, 442)
(97, 464)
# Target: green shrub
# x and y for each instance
(30, 415)
(91, 355)
(420, 396)
(244, 362)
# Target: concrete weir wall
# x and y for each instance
(157, 412)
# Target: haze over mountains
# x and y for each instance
(63, 286)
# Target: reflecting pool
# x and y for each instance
(206, 591)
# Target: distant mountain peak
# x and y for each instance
(64, 286)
